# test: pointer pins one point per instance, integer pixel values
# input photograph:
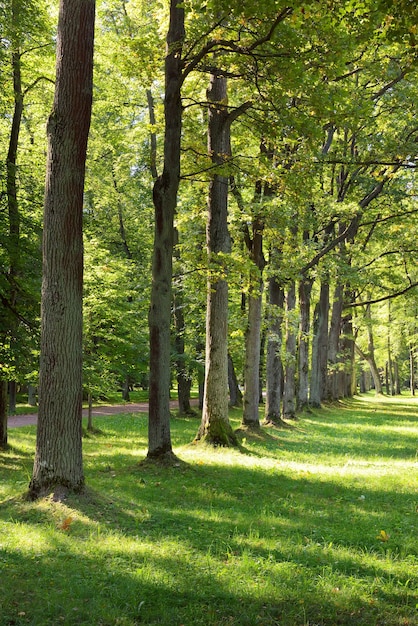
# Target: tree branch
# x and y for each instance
(383, 298)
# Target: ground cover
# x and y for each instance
(310, 526)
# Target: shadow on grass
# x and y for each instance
(216, 544)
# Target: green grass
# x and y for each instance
(286, 531)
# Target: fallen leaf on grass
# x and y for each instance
(383, 536)
(65, 525)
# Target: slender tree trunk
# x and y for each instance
(184, 381)
(215, 427)
(305, 290)
(370, 356)
(320, 347)
(31, 395)
(12, 397)
(235, 393)
(13, 244)
(165, 201)
(90, 412)
(252, 361)
(58, 460)
(3, 414)
(253, 332)
(289, 391)
(412, 370)
(274, 368)
(334, 345)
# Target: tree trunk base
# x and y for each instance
(218, 434)
(57, 492)
(276, 421)
(188, 413)
(165, 459)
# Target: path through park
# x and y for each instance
(140, 407)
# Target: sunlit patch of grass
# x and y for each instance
(314, 525)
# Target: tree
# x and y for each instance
(58, 459)
(165, 202)
(215, 427)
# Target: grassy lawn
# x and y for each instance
(314, 525)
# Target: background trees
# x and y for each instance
(329, 199)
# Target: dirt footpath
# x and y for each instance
(142, 407)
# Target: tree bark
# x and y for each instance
(250, 416)
(235, 393)
(289, 390)
(215, 427)
(320, 347)
(3, 414)
(274, 369)
(58, 460)
(165, 202)
(253, 332)
(305, 290)
(335, 366)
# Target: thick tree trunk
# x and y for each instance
(165, 201)
(305, 290)
(274, 369)
(215, 426)
(289, 390)
(58, 460)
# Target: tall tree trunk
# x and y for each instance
(3, 414)
(165, 201)
(320, 347)
(274, 368)
(412, 370)
(235, 393)
(184, 381)
(215, 426)
(12, 397)
(250, 416)
(58, 460)
(253, 332)
(305, 290)
(31, 395)
(289, 390)
(335, 366)
(370, 355)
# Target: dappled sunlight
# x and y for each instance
(306, 517)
